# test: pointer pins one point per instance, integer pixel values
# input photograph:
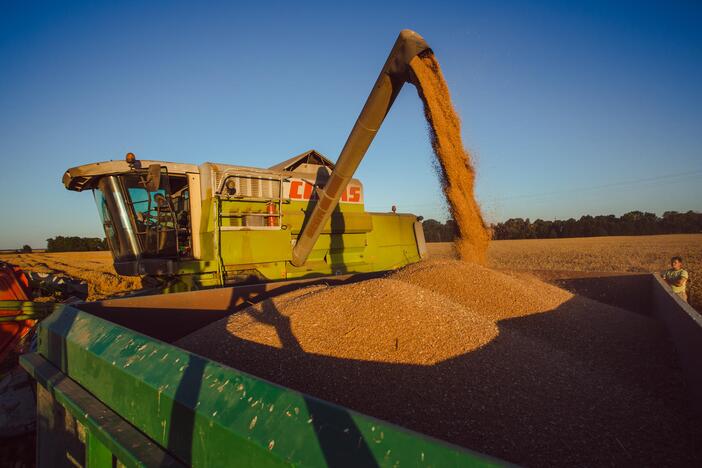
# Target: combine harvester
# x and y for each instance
(112, 388)
(187, 227)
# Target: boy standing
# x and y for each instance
(677, 277)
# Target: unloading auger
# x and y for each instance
(394, 74)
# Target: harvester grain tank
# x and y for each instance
(215, 224)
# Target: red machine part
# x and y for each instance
(271, 209)
(14, 286)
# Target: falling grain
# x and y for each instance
(454, 163)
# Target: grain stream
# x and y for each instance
(454, 165)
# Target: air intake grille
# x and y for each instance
(247, 186)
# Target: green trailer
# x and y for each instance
(112, 390)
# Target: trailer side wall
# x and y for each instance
(684, 326)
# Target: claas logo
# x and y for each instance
(301, 190)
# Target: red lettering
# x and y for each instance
(295, 189)
(308, 191)
(302, 190)
(355, 194)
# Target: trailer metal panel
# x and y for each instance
(684, 326)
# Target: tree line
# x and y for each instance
(435, 231)
(633, 223)
(75, 244)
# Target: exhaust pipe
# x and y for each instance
(393, 76)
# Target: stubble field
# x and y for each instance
(93, 267)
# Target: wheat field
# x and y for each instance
(597, 254)
(93, 267)
(602, 254)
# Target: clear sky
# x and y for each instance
(568, 110)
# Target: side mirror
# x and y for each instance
(153, 179)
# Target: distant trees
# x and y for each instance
(633, 223)
(26, 249)
(75, 244)
(435, 231)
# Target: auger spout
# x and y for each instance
(393, 76)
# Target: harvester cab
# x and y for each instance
(145, 210)
(191, 226)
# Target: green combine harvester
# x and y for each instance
(112, 388)
(189, 227)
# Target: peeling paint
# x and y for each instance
(221, 387)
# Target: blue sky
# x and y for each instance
(567, 109)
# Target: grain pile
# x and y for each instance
(346, 321)
(503, 364)
(454, 163)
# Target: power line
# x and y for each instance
(658, 180)
(598, 187)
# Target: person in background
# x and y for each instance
(677, 277)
